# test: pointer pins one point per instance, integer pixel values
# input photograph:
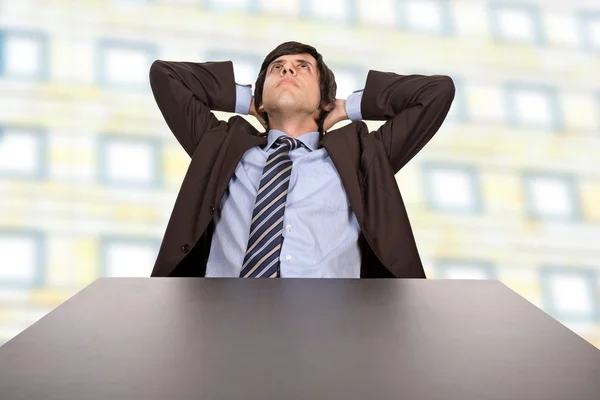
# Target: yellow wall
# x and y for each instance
(509, 189)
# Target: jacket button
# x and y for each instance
(185, 248)
(212, 209)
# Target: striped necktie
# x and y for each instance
(266, 229)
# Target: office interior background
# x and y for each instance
(508, 189)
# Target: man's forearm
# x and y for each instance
(388, 94)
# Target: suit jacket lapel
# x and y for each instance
(338, 147)
(240, 143)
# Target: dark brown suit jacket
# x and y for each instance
(413, 106)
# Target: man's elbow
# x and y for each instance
(442, 91)
(157, 70)
(446, 87)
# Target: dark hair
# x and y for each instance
(326, 79)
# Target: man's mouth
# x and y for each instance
(289, 81)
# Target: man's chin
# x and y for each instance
(286, 103)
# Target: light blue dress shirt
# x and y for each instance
(320, 230)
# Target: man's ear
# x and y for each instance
(261, 108)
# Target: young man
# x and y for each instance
(296, 200)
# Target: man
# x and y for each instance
(296, 200)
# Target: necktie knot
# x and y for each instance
(289, 142)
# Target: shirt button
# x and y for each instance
(211, 209)
(288, 257)
(289, 228)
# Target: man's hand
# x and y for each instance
(253, 112)
(337, 114)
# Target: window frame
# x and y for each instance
(103, 140)
(473, 175)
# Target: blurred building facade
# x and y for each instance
(508, 189)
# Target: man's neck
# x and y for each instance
(294, 127)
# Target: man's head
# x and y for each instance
(294, 78)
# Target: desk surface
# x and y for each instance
(194, 338)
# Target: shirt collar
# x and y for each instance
(310, 139)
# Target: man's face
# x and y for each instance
(292, 84)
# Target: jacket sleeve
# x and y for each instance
(186, 92)
(413, 106)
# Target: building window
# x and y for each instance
(551, 196)
(348, 79)
(464, 269)
(532, 106)
(458, 109)
(380, 13)
(178, 2)
(590, 29)
(22, 258)
(288, 7)
(128, 161)
(126, 3)
(245, 66)
(452, 188)
(598, 108)
(127, 257)
(516, 23)
(22, 153)
(232, 5)
(23, 55)
(570, 294)
(125, 65)
(331, 11)
(427, 16)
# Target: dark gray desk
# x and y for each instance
(193, 338)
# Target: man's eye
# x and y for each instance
(276, 66)
(303, 65)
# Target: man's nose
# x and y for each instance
(288, 68)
